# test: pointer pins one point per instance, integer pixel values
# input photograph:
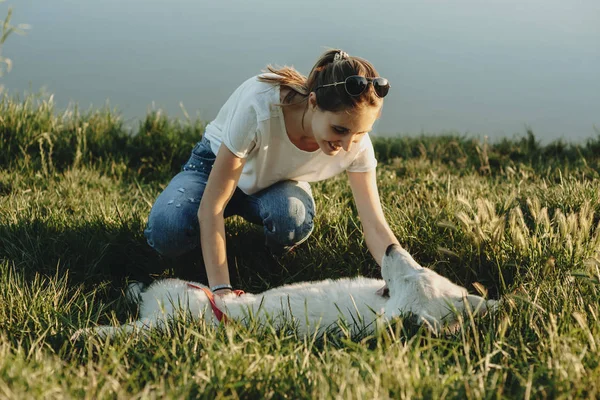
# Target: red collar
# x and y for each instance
(220, 315)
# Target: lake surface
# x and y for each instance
(479, 68)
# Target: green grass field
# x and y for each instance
(514, 218)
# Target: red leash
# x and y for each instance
(220, 315)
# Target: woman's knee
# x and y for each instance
(291, 225)
(172, 227)
(172, 232)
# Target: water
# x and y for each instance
(479, 68)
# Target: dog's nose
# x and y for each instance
(390, 248)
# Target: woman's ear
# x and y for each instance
(312, 100)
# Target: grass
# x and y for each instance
(513, 218)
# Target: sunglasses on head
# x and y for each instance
(355, 85)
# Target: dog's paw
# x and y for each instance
(432, 324)
(79, 334)
(134, 291)
(493, 305)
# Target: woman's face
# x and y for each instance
(334, 131)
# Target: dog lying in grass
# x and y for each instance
(359, 303)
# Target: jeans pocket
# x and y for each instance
(203, 149)
(202, 157)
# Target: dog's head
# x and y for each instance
(433, 298)
(395, 266)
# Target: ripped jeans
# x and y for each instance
(285, 209)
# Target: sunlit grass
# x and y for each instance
(513, 218)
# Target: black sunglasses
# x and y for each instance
(355, 85)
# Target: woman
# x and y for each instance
(277, 132)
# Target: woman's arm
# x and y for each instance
(378, 234)
(220, 187)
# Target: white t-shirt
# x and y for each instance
(251, 125)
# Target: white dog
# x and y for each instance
(314, 306)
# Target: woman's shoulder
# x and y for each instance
(257, 91)
(254, 96)
(256, 85)
(261, 95)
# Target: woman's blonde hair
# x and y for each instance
(333, 66)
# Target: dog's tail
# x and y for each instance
(133, 292)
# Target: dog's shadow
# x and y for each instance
(89, 253)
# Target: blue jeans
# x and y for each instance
(285, 209)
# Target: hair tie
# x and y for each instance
(340, 56)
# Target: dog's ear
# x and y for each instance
(389, 250)
(392, 247)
